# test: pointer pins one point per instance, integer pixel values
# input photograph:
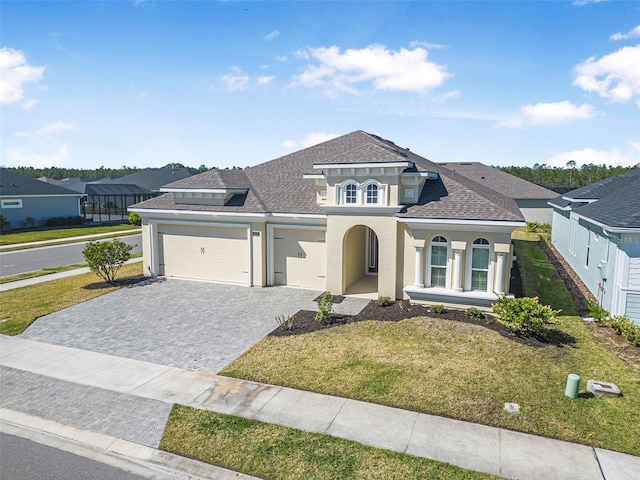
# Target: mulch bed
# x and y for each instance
(305, 322)
(119, 282)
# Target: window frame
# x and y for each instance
(430, 266)
(470, 268)
(7, 203)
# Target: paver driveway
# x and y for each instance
(195, 325)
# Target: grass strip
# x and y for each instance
(540, 278)
(272, 451)
(19, 308)
(61, 233)
(66, 242)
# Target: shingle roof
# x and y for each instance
(617, 202)
(12, 184)
(500, 181)
(278, 186)
(114, 189)
(152, 178)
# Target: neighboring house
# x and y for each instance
(597, 230)
(25, 201)
(531, 198)
(354, 215)
(152, 178)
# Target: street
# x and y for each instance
(21, 261)
(22, 459)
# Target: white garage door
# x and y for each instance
(218, 254)
(299, 258)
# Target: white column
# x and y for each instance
(457, 270)
(419, 280)
(499, 283)
(153, 249)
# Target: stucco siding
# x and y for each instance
(41, 209)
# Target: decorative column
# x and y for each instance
(153, 249)
(419, 279)
(457, 270)
(499, 284)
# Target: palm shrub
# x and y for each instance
(524, 316)
(596, 311)
(475, 313)
(325, 306)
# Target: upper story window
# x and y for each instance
(351, 194)
(372, 194)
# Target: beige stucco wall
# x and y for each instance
(386, 230)
(355, 246)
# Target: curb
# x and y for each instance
(131, 457)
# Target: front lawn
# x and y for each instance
(272, 451)
(61, 233)
(19, 308)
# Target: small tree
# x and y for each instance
(135, 219)
(106, 258)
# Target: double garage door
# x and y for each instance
(218, 254)
(222, 255)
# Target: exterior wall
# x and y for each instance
(607, 263)
(385, 229)
(355, 241)
(40, 209)
(535, 210)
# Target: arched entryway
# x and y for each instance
(360, 261)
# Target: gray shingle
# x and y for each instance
(12, 183)
(152, 178)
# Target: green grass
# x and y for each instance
(540, 278)
(19, 308)
(464, 371)
(60, 233)
(272, 451)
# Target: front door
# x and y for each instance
(372, 253)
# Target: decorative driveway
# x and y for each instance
(185, 324)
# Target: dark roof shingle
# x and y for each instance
(12, 183)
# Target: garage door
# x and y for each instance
(218, 254)
(299, 258)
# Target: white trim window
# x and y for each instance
(372, 194)
(351, 194)
(480, 261)
(438, 260)
(11, 203)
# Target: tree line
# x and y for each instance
(58, 173)
(570, 177)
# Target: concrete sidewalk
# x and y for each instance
(477, 447)
(52, 276)
(42, 243)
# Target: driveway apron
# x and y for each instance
(184, 324)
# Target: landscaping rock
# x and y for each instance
(512, 407)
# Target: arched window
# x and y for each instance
(350, 194)
(438, 262)
(372, 194)
(480, 264)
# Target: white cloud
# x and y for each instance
(20, 156)
(48, 129)
(633, 33)
(384, 69)
(548, 114)
(310, 140)
(235, 82)
(615, 76)
(580, 3)
(446, 96)
(265, 79)
(28, 104)
(14, 73)
(272, 35)
(281, 58)
(427, 45)
(612, 157)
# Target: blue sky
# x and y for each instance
(147, 83)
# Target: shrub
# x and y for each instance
(325, 306)
(625, 327)
(135, 219)
(383, 301)
(598, 313)
(63, 221)
(106, 258)
(438, 309)
(525, 316)
(5, 225)
(285, 322)
(474, 313)
(536, 227)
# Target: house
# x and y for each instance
(597, 230)
(353, 215)
(532, 199)
(25, 201)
